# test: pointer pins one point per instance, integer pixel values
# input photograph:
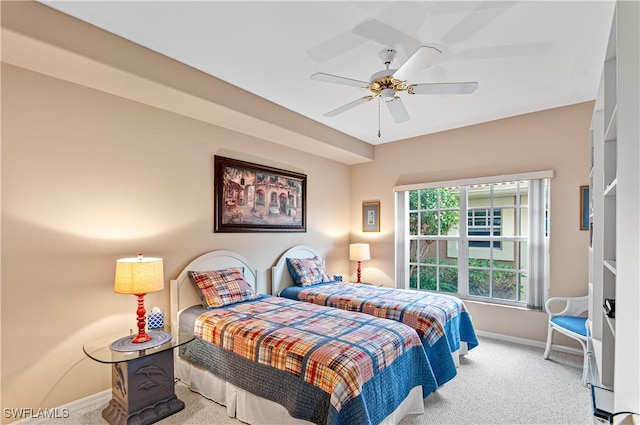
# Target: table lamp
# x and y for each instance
(359, 252)
(139, 276)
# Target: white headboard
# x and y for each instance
(184, 295)
(280, 276)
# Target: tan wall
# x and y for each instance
(556, 139)
(87, 178)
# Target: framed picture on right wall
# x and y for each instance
(584, 207)
(371, 216)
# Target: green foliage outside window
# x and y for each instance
(439, 212)
(427, 202)
(505, 282)
(504, 278)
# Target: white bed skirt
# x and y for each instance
(255, 410)
(463, 351)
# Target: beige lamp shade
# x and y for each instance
(139, 275)
(359, 252)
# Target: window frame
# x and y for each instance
(538, 286)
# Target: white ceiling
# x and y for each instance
(525, 55)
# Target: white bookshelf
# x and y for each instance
(614, 252)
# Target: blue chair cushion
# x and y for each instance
(574, 324)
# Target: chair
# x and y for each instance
(570, 323)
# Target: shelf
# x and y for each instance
(610, 190)
(603, 403)
(611, 322)
(611, 132)
(611, 265)
(596, 345)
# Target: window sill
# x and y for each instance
(507, 306)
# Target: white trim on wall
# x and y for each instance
(528, 342)
(69, 409)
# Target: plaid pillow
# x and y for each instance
(222, 287)
(307, 271)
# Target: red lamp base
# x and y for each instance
(358, 281)
(142, 321)
(141, 338)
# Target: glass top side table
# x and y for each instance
(100, 348)
(142, 381)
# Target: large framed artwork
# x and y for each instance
(256, 198)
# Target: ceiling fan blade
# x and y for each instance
(440, 8)
(422, 58)
(328, 78)
(334, 47)
(380, 32)
(443, 88)
(397, 109)
(480, 16)
(348, 106)
(505, 51)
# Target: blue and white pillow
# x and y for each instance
(307, 271)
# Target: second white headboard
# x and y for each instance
(280, 276)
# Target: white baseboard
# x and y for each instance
(529, 342)
(101, 397)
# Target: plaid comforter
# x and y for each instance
(433, 316)
(337, 351)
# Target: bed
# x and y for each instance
(442, 321)
(338, 367)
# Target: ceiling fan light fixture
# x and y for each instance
(388, 94)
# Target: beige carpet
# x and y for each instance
(497, 383)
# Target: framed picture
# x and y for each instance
(256, 198)
(584, 207)
(371, 216)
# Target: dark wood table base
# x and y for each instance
(143, 391)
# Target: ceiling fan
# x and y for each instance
(386, 84)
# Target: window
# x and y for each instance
(434, 217)
(497, 254)
(483, 222)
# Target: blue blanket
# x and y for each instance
(441, 320)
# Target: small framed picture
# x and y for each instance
(584, 207)
(371, 216)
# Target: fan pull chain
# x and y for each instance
(379, 116)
